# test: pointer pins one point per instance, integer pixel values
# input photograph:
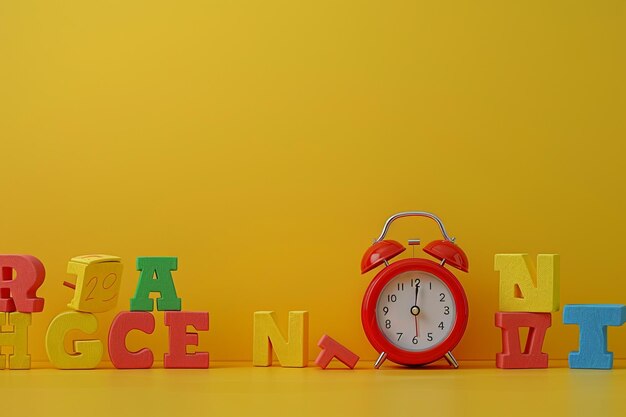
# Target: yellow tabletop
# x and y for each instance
(237, 388)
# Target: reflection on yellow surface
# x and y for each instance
(238, 389)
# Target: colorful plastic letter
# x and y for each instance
(333, 349)
(122, 324)
(98, 279)
(592, 320)
(156, 276)
(293, 352)
(87, 354)
(177, 321)
(512, 357)
(18, 338)
(518, 291)
(20, 293)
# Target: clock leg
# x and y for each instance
(380, 360)
(451, 360)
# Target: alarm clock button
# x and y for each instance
(445, 250)
(380, 252)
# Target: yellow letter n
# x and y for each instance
(293, 352)
(519, 291)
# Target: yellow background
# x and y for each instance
(264, 143)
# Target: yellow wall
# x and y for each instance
(265, 142)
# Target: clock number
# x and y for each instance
(399, 336)
(443, 297)
(400, 286)
(430, 337)
(430, 285)
(415, 282)
(385, 310)
(440, 325)
(446, 310)
(388, 324)
(415, 340)
(392, 298)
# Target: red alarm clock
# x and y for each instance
(415, 310)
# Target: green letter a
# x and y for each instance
(156, 276)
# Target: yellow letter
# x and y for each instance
(88, 353)
(292, 353)
(518, 290)
(98, 279)
(18, 338)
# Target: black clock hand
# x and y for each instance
(415, 310)
(417, 288)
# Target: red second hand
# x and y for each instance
(417, 333)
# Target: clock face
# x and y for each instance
(415, 311)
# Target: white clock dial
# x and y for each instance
(415, 325)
